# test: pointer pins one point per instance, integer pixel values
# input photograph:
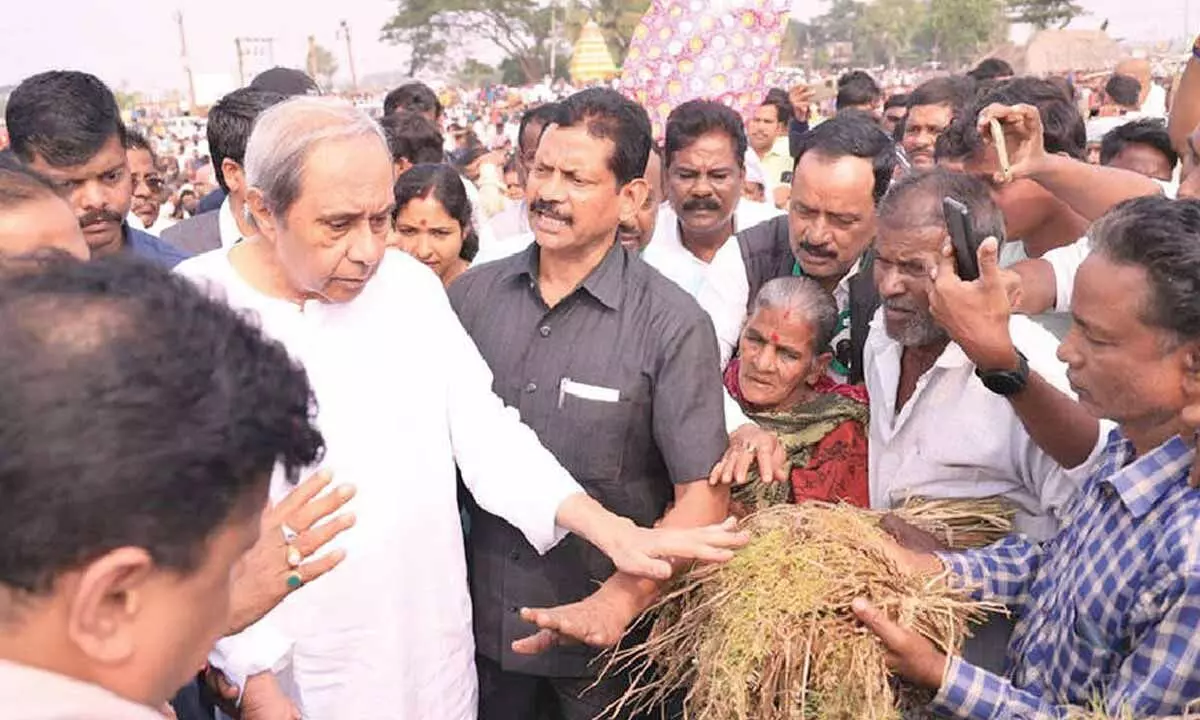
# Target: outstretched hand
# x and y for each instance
(598, 620)
(648, 552)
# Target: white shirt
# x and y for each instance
(388, 634)
(721, 286)
(954, 438)
(227, 225)
(479, 217)
(510, 222)
(162, 222)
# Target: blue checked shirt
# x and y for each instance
(1109, 608)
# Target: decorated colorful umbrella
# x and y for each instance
(590, 59)
(716, 49)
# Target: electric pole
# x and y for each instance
(187, 65)
(344, 32)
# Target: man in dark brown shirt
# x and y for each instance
(616, 369)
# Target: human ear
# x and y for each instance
(107, 596)
(632, 198)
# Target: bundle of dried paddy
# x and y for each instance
(770, 635)
(961, 523)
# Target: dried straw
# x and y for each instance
(770, 635)
(961, 523)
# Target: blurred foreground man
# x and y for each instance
(139, 422)
(387, 634)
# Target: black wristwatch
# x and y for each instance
(1006, 382)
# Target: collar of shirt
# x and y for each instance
(227, 225)
(605, 282)
(1141, 481)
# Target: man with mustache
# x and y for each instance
(954, 413)
(148, 185)
(843, 169)
(931, 108)
(694, 242)
(388, 635)
(635, 234)
(617, 371)
(66, 126)
(1108, 607)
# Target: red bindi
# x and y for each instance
(774, 338)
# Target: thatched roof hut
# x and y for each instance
(1053, 52)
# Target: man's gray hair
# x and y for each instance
(286, 133)
(807, 298)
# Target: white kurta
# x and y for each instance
(402, 394)
(954, 438)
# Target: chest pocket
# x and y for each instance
(600, 429)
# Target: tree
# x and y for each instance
(1043, 13)
(474, 73)
(960, 29)
(321, 63)
(886, 28)
(519, 28)
(617, 20)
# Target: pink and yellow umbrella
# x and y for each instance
(716, 49)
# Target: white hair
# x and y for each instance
(286, 133)
(806, 297)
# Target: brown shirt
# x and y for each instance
(621, 382)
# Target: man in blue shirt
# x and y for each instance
(66, 126)
(1108, 609)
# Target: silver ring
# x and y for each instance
(288, 534)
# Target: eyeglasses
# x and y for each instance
(154, 183)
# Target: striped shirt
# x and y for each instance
(1109, 608)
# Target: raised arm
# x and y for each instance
(1089, 190)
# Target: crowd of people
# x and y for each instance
(493, 392)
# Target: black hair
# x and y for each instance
(897, 100)
(854, 134)
(991, 69)
(694, 119)
(230, 122)
(135, 140)
(915, 201)
(1123, 90)
(20, 185)
(63, 116)
(1162, 237)
(957, 91)
(542, 115)
(413, 97)
(412, 137)
(857, 88)
(783, 106)
(442, 183)
(1064, 130)
(1146, 131)
(609, 115)
(134, 411)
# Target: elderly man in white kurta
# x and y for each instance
(402, 395)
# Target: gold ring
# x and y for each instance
(293, 556)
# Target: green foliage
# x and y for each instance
(474, 73)
(900, 32)
(324, 65)
(1043, 13)
(519, 28)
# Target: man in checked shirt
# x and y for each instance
(1110, 607)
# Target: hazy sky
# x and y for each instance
(135, 43)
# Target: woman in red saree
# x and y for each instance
(780, 379)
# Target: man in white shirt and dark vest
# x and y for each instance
(387, 634)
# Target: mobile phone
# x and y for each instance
(966, 245)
